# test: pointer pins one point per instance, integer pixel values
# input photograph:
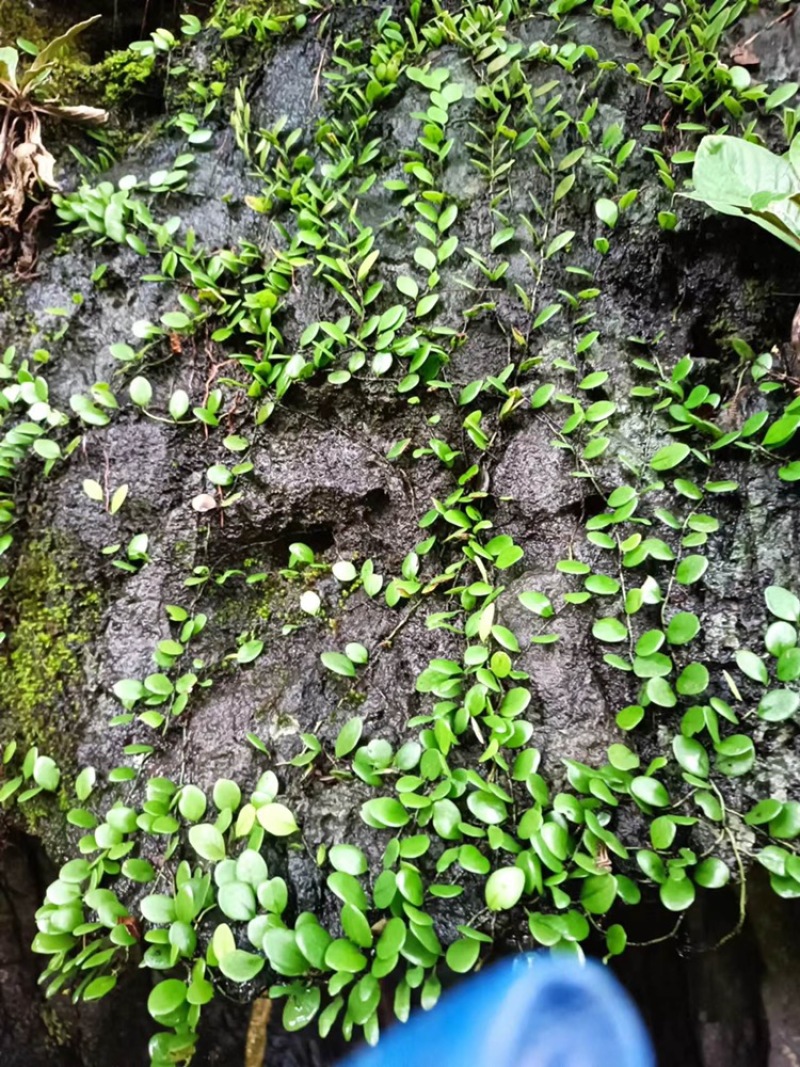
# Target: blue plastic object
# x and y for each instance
(528, 1011)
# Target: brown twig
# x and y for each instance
(781, 18)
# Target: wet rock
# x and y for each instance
(321, 477)
(573, 717)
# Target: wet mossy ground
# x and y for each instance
(56, 615)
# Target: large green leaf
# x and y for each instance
(738, 177)
(54, 49)
(9, 58)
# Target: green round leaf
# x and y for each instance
(782, 603)
(787, 668)
(447, 820)
(735, 755)
(573, 566)
(601, 585)
(273, 895)
(472, 860)
(786, 826)
(344, 571)
(158, 908)
(652, 865)
(349, 735)
(300, 1008)
(462, 955)
(281, 947)
(504, 887)
(207, 842)
(650, 791)
(656, 665)
(277, 820)
(218, 474)
(763, 812)
(621, 757)
(670, 456)
(178, 404)
(538, 603)
(46, 773)
(338, 663)
(75, 871)
(313, 941)
(692, 680)
(779, 637)
(192, 803)
(711, 873)
(487, 807)
(141, 392)
(98, 987)
(544, 929)
(616, 940)
(226, 795)
(649, 643)
(363, 1000)
(237, 901)
(677, 894)
(598, 893)
(225, 872)
(407, 286)
(691, 756)
(410, 885)
(542, 395)
(241, 966)
(348, 858)
(84, 783)
(356, 926)
(342, 955)
(593, 380)
(750, 664)
(682, 628)
(778, 704)
(128, 690)
(139, 870)
(610, 630)
(607, 211)
(249, 651)
(183, 937)
(691, 569)
(630, 717)
(348, 889)
(660, 692)
(222, 941)
(176, 320)
(384, 812)
(392, 939)
(662, 832)
(166, 997)
(600, 410)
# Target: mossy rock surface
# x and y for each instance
(330, 471)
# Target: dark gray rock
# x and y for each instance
(321, 477)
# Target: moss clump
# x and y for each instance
(53, 619)
(114, 81)
(58, 1031)
(18, 321)
(262, 601)
(237, 14)
(122, 75)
